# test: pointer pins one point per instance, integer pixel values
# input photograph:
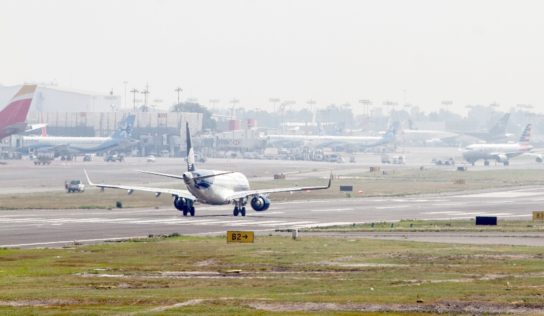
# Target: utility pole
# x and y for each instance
(179, 91)
(134, 91)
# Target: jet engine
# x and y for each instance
(260, 203)
(502, 158)
(180, 203)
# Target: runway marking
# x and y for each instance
(504, 194)
(325, 224)
(285, 224)
(71, 241)
(475, 213)
(448, 204)
(334, 210)
(468, 217)
(391, 207)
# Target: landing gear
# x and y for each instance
(239, 211)
(239, 207)
(506, 163)
(486, 163)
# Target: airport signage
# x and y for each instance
(538, 216)
(240, 236)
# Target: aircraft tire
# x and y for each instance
(243, 211)
(192, 210)
(486, 163)
(506, 163)
(184, 211)
(235, 211)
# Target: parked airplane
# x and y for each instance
(499, 152)
(68, 146)
(211, 187)
(13, 116)
(389, 137)
(496, 133)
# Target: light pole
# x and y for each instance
(366, 104)
(214, 102)
(274, 102)
(234, 101)
(125, 98)
(311, 103)
(134, 91)
(145, 93)
(446, 103)
(179, 91)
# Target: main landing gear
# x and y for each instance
(189, 210)
(239, 207)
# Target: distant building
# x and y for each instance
(55, 99)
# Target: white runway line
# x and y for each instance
(285, 224)
(45, 243)
(334, 210)
(392, 207)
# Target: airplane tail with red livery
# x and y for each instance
(13, 116)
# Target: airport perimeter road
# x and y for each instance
(53, 228)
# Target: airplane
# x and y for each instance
(389, 137)
(499, 152)
(211, 187)
(496, 133)
(68, 146)
(13, 116)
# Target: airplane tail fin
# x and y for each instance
(16, 111)
(393, 131)
(125, 127)
(190, 151)
(526, 135)
(500, 127)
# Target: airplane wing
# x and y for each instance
(243, 194)
(180, 193)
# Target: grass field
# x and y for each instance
(395, 182)
(276, 275)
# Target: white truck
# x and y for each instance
(74, 186)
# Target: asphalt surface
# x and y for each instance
(54, 228)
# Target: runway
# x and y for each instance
(54, 228)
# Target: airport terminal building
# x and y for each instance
(77, 113)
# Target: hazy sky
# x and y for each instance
(470, 52)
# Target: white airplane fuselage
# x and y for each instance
(215, 190)
(476, 152)
(77, 144)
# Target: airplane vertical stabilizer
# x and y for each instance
(500, 127)
(190, 151)
(125, 127)
(526, 135)
(13, 116)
